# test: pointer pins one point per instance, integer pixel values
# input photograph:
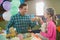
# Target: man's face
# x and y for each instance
(24, 9)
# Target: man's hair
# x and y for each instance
(22, 5)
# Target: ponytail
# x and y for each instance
(54, 19)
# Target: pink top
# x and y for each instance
(51, 31)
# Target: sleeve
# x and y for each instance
(32, 23)
(49, 32)
(10, 23)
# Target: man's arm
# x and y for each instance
(9, 24)
(32, 23)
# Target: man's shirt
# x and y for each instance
(21, 23)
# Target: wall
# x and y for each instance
(48, 3)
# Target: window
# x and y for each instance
(39, 8)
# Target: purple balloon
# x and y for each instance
(1, 2)
(7, 5)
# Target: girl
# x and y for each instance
(51, 25)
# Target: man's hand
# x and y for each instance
(29, 30)
(33, 19)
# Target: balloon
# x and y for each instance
(6, 16)
(22, 1)
(15, 5)
(14, 10)
(7, 5)
(1, 2)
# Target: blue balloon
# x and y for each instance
(22, 1)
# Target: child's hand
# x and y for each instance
(41, 21)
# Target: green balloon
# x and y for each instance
(14, 10)
(15, 5)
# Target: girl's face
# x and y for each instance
(46, 15)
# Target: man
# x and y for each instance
(21, 21)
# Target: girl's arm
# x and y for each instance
(49, 31)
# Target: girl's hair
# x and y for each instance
(50, 11)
